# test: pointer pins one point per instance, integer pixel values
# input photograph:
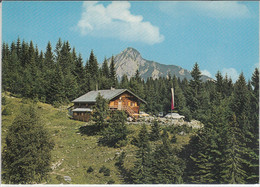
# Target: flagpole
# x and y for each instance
(172, 104)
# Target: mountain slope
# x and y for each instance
(130, 60)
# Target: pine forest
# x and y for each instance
(38, 86)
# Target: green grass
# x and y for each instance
(74, 153)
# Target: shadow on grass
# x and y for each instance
(89, 130)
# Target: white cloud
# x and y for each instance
(116, 21)
(231, 72)
(215, 9)
(206, 72)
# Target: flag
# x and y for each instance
(172, 107)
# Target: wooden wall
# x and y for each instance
(81, 116)
(126, 100)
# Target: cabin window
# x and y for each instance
(129, 103)
(75, 113)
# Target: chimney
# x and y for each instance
(112, 88)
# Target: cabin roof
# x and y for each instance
(91, 96)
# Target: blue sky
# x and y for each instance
(218, 35)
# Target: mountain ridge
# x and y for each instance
(130, 60)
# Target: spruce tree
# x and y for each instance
(48, 58)
(141, 172)
(167, 167)
(112, 71)
(115, 135)
(155, 132)
(27, 154)
(55, 93)
(233, 171)
(196, 81)
(100, 112)
(105, 69)
(93, 66)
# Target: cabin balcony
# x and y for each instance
(131, 111)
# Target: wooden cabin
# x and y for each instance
(119, 99)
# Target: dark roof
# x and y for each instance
(91, 96)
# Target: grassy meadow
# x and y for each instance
(75, 148)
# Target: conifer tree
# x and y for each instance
(100, 112)
(18, 48)
(24, 54)
(112, 72)
(93, 66)
(167, 167)
(219, 83)
(49, 58)
(141, 172)
(253, 172)
(58, 50)
(196, 81)
(56, 93)
(105, 69)
(233, 171)
(27, 154)
(155, 132)
(115, 135)
(124, 84)
(80, 74)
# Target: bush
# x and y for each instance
(107, 172)
(59, 178)
(90, 169)
(135, 141)
(111, 181)
(174, 139)
(6, 111)
(4, 100)
(102, 169)
(121, 143)
(120, 162)
(56, 104)
(115, 135)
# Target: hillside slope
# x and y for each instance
(75, 148)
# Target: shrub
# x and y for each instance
(120, 162)
(111, 181)
(59, 178)
(4, 100)
(6, 111)
(174, 139)
(90, 169)
(102, 169)
(115, 135)
(121, 143)
(107, 172)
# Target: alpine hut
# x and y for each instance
(119, 99)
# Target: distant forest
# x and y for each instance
(226, 150)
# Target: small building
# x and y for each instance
(119, 99)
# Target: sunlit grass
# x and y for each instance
(74, 153)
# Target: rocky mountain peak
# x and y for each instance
(130, 60)
(129, 54)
